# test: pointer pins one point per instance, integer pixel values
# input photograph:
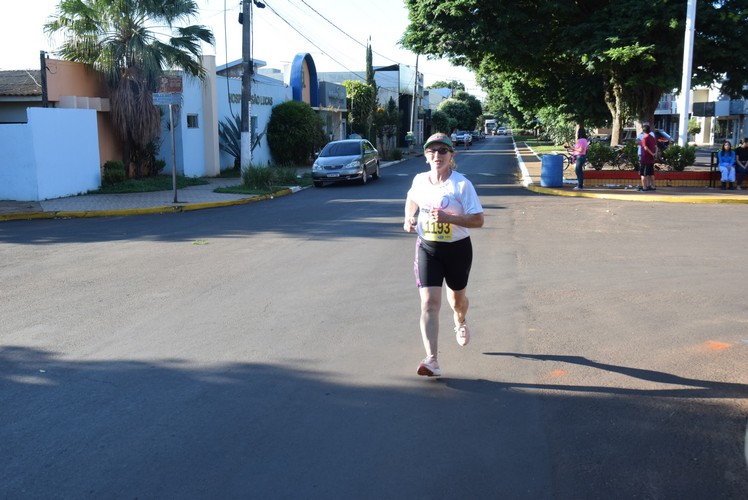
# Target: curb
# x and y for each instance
(165, 209)
(530, 185)
(636, 197)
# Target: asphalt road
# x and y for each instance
(269, 351)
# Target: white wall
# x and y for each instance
(193, 140)
(193, 153)
(56, 154)
(267, 93)
(17, 172)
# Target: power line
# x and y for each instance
(346, 34)
(310, 41)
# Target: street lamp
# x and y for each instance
(247, 68)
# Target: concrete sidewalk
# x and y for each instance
(530, 168)
(104, 205)
(156, 202)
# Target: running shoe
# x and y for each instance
(462, 334)
(429, 367)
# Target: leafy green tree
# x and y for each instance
(361, 99)
(440, 123)
(125, 41)
(295, 131)
(474, 106)
(460, 113)
(385, 124)
(622, 53)
(454, 85)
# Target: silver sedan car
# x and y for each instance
(347, 160)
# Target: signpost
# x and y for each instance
(171, 99)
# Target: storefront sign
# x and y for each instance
(259, 100)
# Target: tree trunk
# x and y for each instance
(647, 100)
(126, 157)
(614, 101)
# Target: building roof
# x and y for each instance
(20, 83)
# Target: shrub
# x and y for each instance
(257, 177)
(679, 157)
(267, 178)
(599, 153)
(294, 132)
(694, 127)
(114, 172)
(630, 154)
(230, 137)
(394, 155)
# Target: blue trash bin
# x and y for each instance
(552, 171)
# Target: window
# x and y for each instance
(192, 121)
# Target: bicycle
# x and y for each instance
(623, 160)
(569, 158)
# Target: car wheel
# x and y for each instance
(318, 184)
(364, 177)
(376, 173)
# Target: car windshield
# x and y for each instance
(342, 149)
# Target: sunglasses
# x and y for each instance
(441, 151)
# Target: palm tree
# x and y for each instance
(132, 43)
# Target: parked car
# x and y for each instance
(347, 160)
(478, 135)
(502, 131)
(663, 139)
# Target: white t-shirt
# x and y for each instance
(455, 196)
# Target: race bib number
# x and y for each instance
(437, 231)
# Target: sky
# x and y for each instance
(334, 32)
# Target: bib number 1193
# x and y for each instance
(438, 231)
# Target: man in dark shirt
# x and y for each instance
(646, 164)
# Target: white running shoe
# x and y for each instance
(462, 334)
(429, 367)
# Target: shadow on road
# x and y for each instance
(168, 428)
(691, 388)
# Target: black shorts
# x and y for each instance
(437, 262)
(647, 169)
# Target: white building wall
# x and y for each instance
(66, 147)
(17, 165)
(55, 155)
(193, 141)
(266, 94)
(210, 109)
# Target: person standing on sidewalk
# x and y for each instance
(647, 160)
(580, 157)
(441, 206)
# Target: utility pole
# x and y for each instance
(247, 70)
(415, 101)
(247, 67)
(684, 100)
(43, 62)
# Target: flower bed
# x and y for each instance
(662, 178)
